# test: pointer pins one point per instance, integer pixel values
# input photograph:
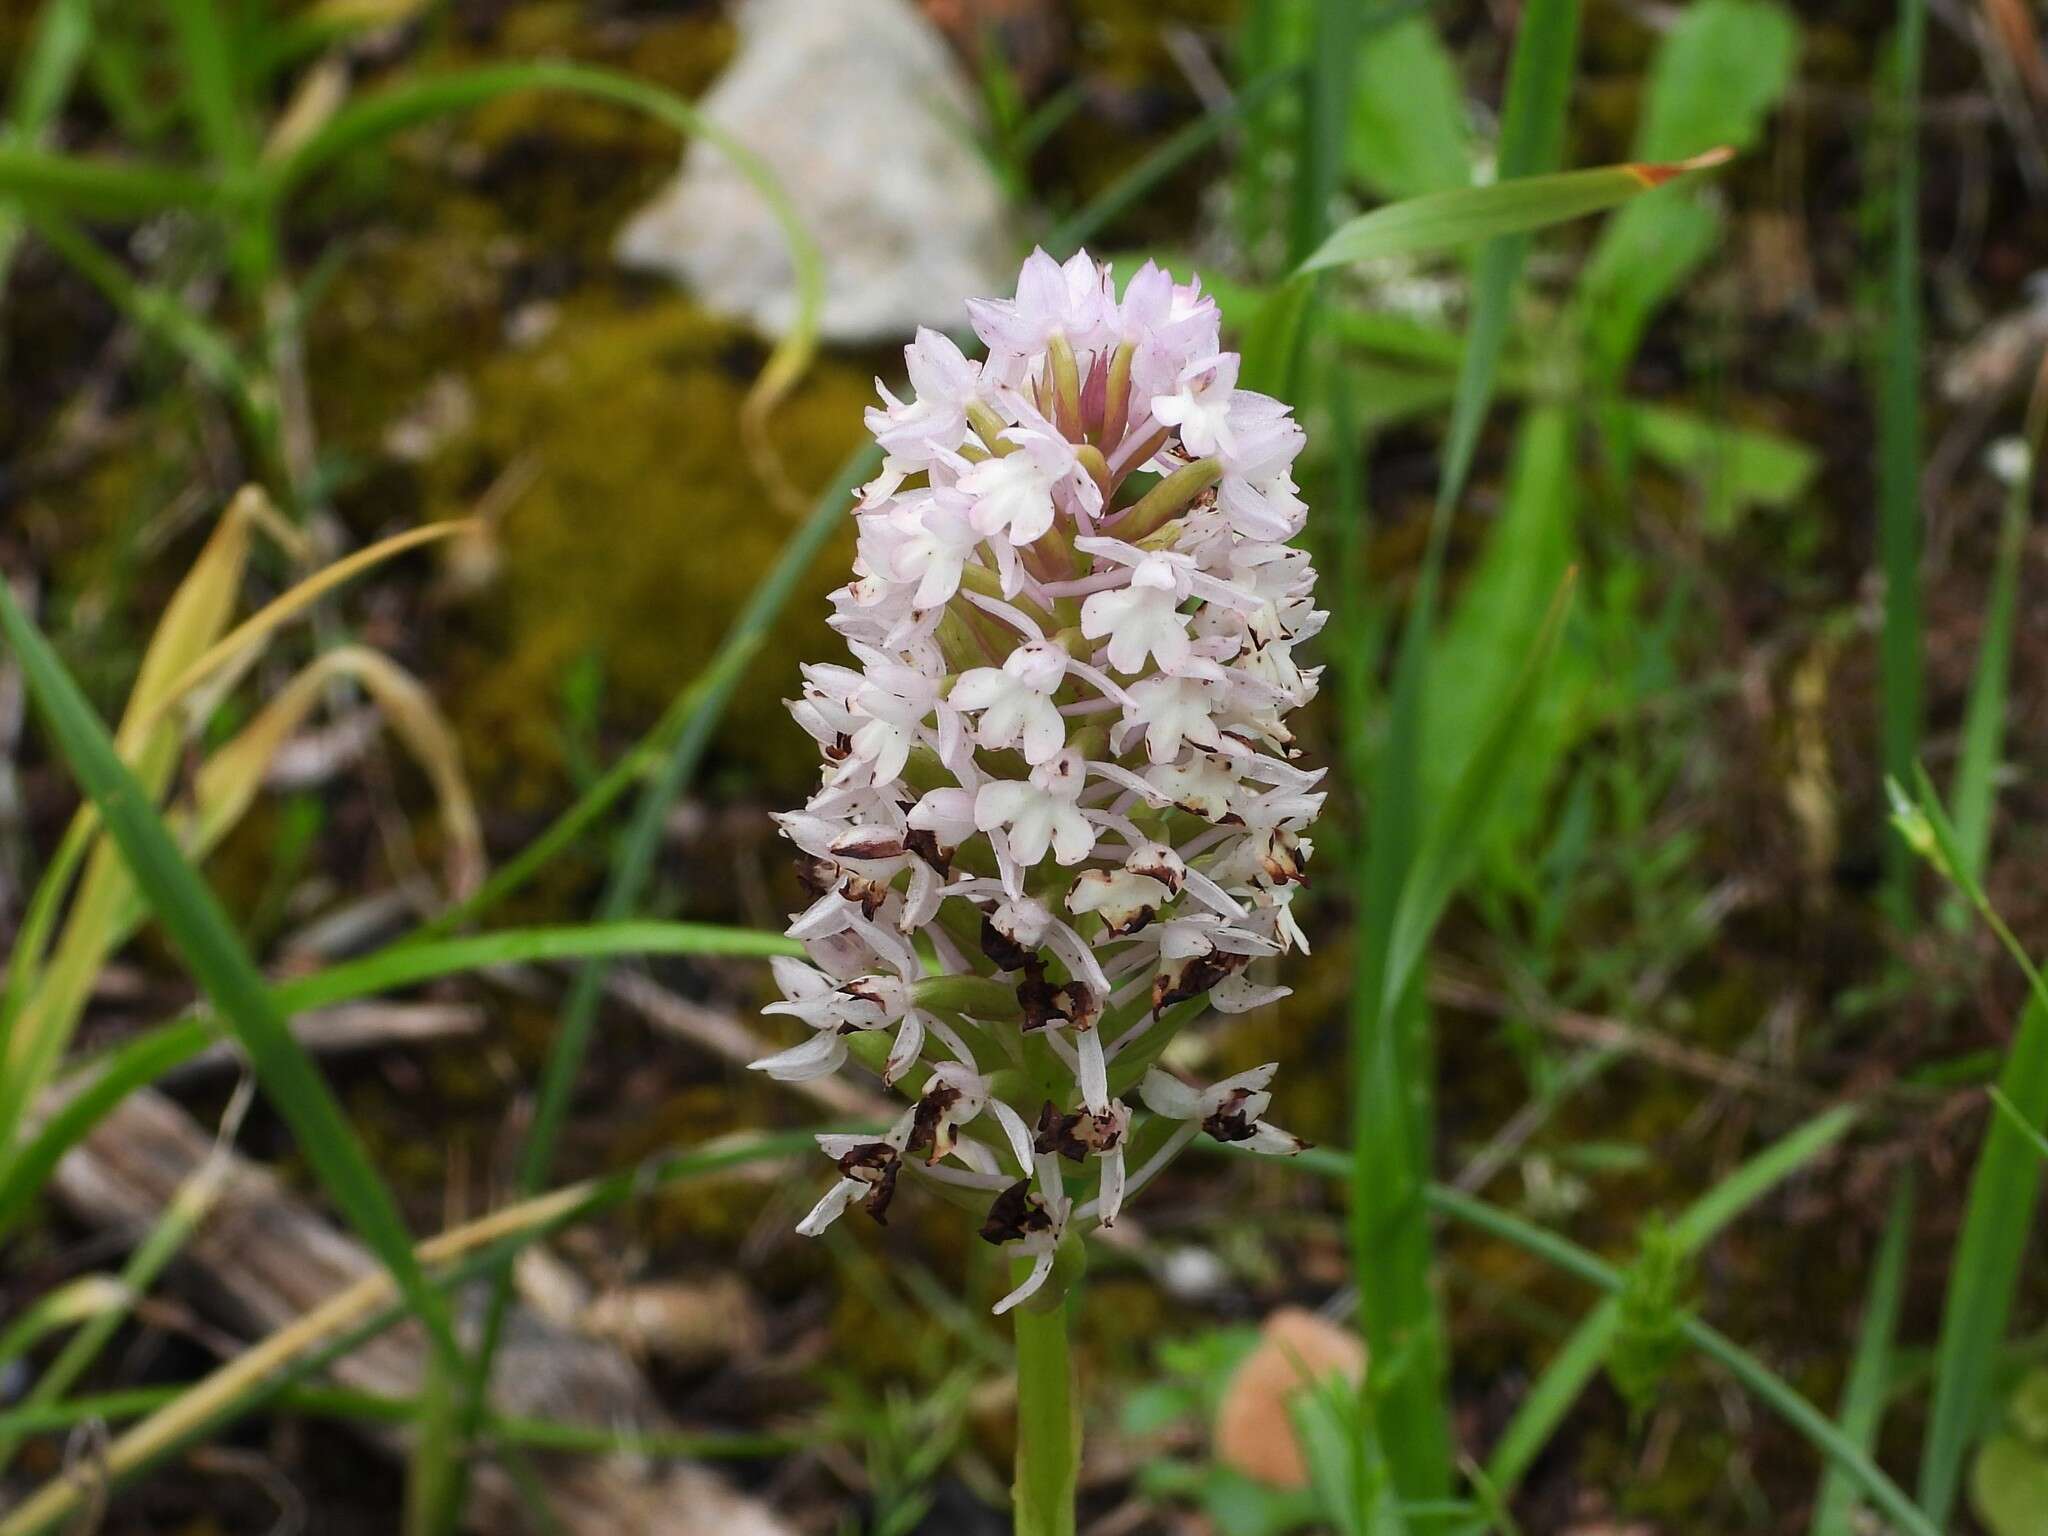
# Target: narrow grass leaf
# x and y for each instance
(181, 1216)
(40, 1008)
(1449, 845)
(1975, 788)
(1328, 73)
(133, 1065)
(633, 765)
(1486, 639)
(57, 45)
(1162, 160)
(158, 313)
(1779, 1395)
(90, 189)
(72, 1303)
(243, 641)
(1446, 220)
(2017, 1120)
(1984, 1274)
(1771, 1389)
(1392, 1053)
(1863, 1398)
(227, 783)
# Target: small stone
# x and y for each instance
(1254, 1430)
(860, 110)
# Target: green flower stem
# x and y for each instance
(1048, 1414)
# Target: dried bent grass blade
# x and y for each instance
(44, 1002)
(227, 784)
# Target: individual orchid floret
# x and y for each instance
(1229, 1112)
(1059, 810)
(1015, 701)
(1039, 814)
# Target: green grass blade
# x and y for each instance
(77, 1302)
(1716, 77)
(514, 873)
(1984, 1273)
(211, 82)
(409, 964)
(348, 1406)
(205, 936)
(56, 47)
(2011, 1112)
(1450, 843)
(109, 189)
(1161, 161)
(1445, 220)
(1504, 594)
(159, 314)
(1863, 1398)
(1773, 1390)
(1560, 1252)
(187, 1207)
(1323, 129)
(223, 119)
(1531, 144)
(1899, 454)
(1580, 1358)
(1393, 1062)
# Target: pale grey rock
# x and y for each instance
(860, 108)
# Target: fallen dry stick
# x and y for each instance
(284, 1271)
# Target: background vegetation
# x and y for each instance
(1658, 545)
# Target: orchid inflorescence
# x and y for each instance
(1059, 810)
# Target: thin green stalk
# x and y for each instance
(1325, 122)
(1561, 1253)
(2005, 1186)
(49, 64)
(181, 1217)
(1899, 452)
(1048, 1423)
(634, 865)
(1576, 1362)
(89, 189)
(648, 753)
(1863, 1398)
(1162, 160)
(1393, 1060)
(1771, 1389)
